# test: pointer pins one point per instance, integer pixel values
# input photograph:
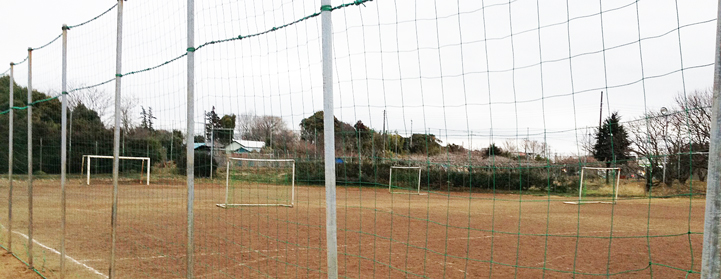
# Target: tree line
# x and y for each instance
(675, 139)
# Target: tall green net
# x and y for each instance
(473, 139)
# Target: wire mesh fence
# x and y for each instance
(464, 141)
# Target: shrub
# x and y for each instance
(202, 164)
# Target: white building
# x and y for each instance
(244, 146)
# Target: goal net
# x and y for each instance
(259, 182)
(592, 185)
(144, 166)
(404, 180)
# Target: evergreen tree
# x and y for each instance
(493, 150)
(143, 118)
(150, 118)
(212, 122)
(612, 143)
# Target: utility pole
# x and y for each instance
(664, 111)
(41, 154)
(600, 115)
(411, 146)
(384, 131)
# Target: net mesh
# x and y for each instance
(492, 107)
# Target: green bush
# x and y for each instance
(436, 178)
(202, 164)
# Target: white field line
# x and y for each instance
(56, 252)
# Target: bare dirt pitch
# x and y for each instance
(12, 268)
(438, 235)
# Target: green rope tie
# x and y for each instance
(64, 93)
(191, 49)
(118, 75)
(326, 8)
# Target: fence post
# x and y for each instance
(190, 136)
(30, 158)
(63, 148)
(10, 160)
(329, 139)
(711, 259)
(116, 137)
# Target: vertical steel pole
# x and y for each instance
(10, 160)
(212, 144)
(147, 176)
(190, 135)
(63, 148)
(87, 181)
(116, 138)
(711, 257)
(227, 181)
(30, 158)
(390, 180)
(329, 139)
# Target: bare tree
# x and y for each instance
(534, 147)
(127, 106)
(94, 99)
(510, 146)
(270, 129)
(675, 139)
(245, 124)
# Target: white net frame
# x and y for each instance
(580, 187)
(227, 184)
(144, 159)
(390, 181)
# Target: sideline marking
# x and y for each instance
(56, 252)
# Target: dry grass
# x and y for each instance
(630, 188)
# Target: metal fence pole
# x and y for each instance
(116, 137)
(711, 259)
(63, 148)
(30, 158)
(10, 160)
(329, 140)
(190, 136)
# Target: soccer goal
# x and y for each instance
(583, 186)
(407, 180)
(145, 162)
(259, 182)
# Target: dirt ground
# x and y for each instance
(12, 268)
(438, 235)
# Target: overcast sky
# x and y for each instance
(471, 71)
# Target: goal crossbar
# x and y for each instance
(227, 185)
(390, 181)
(580, 187)
(143, 159)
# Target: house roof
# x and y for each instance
(251, 143)
(196, 145)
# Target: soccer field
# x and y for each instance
(451, 235)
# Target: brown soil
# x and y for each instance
(451, 235)
(12, 268)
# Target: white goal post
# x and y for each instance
(390, 181)
(143, 159)
(228, 204)
(580, 186)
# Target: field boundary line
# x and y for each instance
(56, 252)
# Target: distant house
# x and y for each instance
(244, 146)
(201, 146)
